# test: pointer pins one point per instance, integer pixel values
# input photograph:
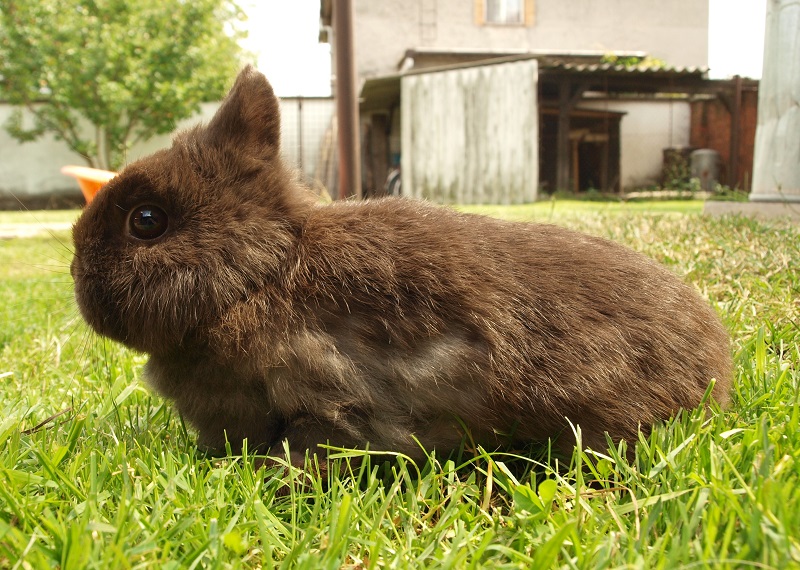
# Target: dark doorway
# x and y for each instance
(595, 150)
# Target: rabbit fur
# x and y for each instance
(391, 323)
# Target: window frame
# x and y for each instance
(527, 16)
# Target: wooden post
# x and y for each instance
(736, 127)
(379, 152)
(562, 136)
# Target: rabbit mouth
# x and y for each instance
(92, 303)
(98, 307)
(104, 316)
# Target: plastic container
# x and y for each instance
(705, 167)
(90, 180)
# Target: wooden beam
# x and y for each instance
(379, 152)
(562, 136)
(736, 127)
(568, 97)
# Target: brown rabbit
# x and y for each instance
(270, 317)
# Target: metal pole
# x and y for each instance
(346, 101)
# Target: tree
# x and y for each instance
(131, 70)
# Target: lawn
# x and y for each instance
(97, 472)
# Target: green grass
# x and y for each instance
(39, 217)
(548, 209)
(117, 482)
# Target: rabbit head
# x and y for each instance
(178, 237)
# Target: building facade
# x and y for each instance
(616, 79)
(675, 32)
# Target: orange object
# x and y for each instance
(89, 179)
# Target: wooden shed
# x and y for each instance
(470, 135)
(478, 131)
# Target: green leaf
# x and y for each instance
(546, 555)
(547, 491)
(234, 541)
(525, 499)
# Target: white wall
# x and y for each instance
(645, 131)
(33, 168)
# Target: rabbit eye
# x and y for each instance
(147, 222)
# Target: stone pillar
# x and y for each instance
(776, 164)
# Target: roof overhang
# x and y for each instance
(380, 93)
(595, 77)
(416, 57)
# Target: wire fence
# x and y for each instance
(308, 138)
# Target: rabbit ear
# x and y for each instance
(249, 117)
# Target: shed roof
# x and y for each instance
(579, 68)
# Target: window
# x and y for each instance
(504, 12)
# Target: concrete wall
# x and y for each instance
(32, 170)
(674, 31)
(776, 165)
(470, 135)
(646, 130)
